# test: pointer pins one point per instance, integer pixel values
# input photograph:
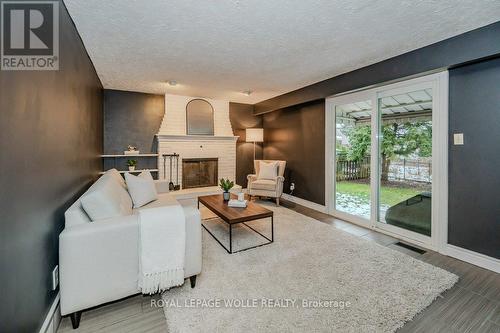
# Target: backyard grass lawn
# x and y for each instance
(388, 195)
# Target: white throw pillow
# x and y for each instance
(116, 175)
(107, 199)
(141, 188)
(268, 170)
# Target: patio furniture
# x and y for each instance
(413, 214)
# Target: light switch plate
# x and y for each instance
(458, 138)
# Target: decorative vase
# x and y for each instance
(131, 168)
(226, 196)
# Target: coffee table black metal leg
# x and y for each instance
(230, 238)
(230, 250)
(272, 229)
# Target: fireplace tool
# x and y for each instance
(164, 166)
(177, 185)
(170, 184)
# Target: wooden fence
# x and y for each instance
(399, 170)
(352, 170)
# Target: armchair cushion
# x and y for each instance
(264, 184)
(267, 170)
(281, 166)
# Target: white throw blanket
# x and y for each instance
(162, 241)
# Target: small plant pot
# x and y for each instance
(226, 196)
(131, 168)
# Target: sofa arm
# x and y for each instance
(193, 262)
(161, 186)
(98, 262)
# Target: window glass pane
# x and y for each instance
(405, 160)
(352, 152)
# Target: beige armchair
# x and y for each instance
(272, 188)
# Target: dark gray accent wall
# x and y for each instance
(241, 117)
(51, 135)
(468, 47)
(131, 118)
(297, 135)
(474, 178)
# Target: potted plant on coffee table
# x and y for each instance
(226, 185)
(131, 165)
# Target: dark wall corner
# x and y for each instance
(131, 118)
(297, 135)
(241, 116)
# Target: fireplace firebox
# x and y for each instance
(199, 172)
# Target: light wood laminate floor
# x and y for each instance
(472, 305)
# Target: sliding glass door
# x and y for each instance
(405, 160)
(385, 147)
(352, 190)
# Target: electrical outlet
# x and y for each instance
(55, 277)
(292, 186)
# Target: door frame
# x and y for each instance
(330, 154)
(439, 229)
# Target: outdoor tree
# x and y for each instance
(398, 140)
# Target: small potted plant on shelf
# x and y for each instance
(226, 185)
(131, 165)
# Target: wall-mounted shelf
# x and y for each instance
(130, 155)
(135, 171)
(118, 161)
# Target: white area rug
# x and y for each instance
(364, 287)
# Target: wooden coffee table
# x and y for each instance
(233, 215)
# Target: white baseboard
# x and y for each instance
(472, 257)
(305, 203)
(53, 318)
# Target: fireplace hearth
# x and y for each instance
(199, 172)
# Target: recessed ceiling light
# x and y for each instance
(172, 83)
(247, 92)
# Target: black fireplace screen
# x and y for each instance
(199, 172)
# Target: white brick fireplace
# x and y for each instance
(172, 138)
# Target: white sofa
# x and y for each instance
(99, 262)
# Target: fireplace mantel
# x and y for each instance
(169, 137)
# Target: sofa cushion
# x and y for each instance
(264, 184)
(106, 199)
(164, 199)
(116, 175)
(142, 188)
(75, 215)
(268, 170)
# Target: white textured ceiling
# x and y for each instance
(218, 49)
